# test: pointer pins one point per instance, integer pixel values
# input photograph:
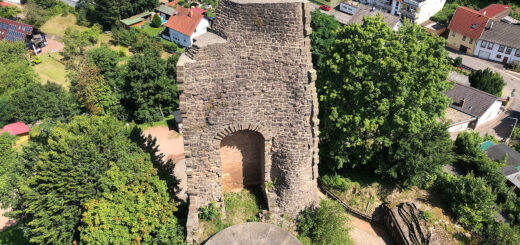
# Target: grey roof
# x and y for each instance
(364, 10)
(476, 102)
(165, 9)
(515, 179)
(497, 152)
(508, 170)
(502, 33)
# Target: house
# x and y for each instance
(14, 31)
(499, 42)
(470, 107)
(172, 4)
(465, 28)
(496, 11)
(418, 11)
(164, 12)
(185, 25)
(511, 171)
(14, 1)
(349, 7)
(5, 4)
(137, 20)
(19, 129)
(362, 11)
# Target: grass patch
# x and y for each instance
(51, 69)
(58, 24)
(241, 207)
(13, 236)
(152, 31)
(168, 121)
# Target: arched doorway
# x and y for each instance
(242, 160)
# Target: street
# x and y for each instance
(498, 127)
(343, 18)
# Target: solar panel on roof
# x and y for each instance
(28, 29)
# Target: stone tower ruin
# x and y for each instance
(249, 106)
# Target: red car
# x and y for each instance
(325, 7)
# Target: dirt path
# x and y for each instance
(171, 145)
(4, 221)
(364, 233)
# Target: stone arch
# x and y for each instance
(233, 129)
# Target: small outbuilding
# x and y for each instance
(137, 20)
(18, 129)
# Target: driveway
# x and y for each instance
(343, 18)
(500, 126)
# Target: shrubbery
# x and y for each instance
(336, 182)
(488, 81)
(326, 224)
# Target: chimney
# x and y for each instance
(491, 26)
(176, 13)
(373, 8)
(462, 101)
(484, 13)
(189, 12)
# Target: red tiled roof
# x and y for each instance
(182, 22)
(468, 22)
(5, 4)
(198, 10)
(172, 3)
(14, 31)
(16, 128)
(493, 9)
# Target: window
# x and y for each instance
(501, 48)
(517, 53)
(452, 33)
(490, 45)
(473, 26)
(470, 40)
(463, 38)
(499, 56)
(483, 44)
(508, 50)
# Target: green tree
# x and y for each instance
(470, 199)
(326, 224)
(150, 90)
(156, 21)
(76, 41)
(379, 86)
(416, 159)
(109, 12)
(9, 161)
(35, 15)
(37, 102)
(105, 59)
(86, 172)
(324, 29)
(488, 81)
(93, 91)
(16, 72)
(9, 12)
(501, 234)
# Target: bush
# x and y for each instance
(337, 182)
(156, 21)
(488, 81)
(515, 66)
(210, 212)
(170, 47)
(326, 224)
(457, 61)
(501, 234)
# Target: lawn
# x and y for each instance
(51, 69)
(243, 206)
(13, 236)
(152, 31)
(58, 24)
(168, 121)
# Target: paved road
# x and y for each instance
(343, 18)
(499, 126)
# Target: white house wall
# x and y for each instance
(347, 8)
(491, 113)
(459, 127)
(428, 9)
(495, 55)
(179, 38)
(201, 28)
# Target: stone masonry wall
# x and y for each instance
(252, 71)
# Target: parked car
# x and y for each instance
(325, 7)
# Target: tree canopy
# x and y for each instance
(109, 12)
(91, 183)
(488, 81)
(377, 88)
(324, 29)
(16, 71)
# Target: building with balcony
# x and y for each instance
(419, 11)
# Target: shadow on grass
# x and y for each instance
(13, 236)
